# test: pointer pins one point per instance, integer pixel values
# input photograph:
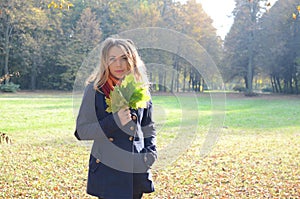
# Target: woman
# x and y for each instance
(124, 145)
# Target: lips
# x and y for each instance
(119, 71)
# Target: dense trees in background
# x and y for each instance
(264, 43)
(47, 41)
(279, 54)
(242, 39)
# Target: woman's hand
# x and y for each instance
(124, 116)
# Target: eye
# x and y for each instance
(111, 59)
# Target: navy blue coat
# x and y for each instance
(121, 156)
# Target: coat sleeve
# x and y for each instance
(88, 126)
(148, 129)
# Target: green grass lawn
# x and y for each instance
(257, 153)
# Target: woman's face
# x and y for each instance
(117, 62)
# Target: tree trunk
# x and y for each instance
(165, 81)
(285, 86)
(6, 47)
(184, 79)
(160, 81)
(172, 79)
(175, 69)
(191, 81)
(197, 83)
(177, 77)
(33, 76)
(151, 81)
(250, 64)
(279, 85)
(291, 88)
(296, 84)
(246, 81)
(274, 86)
(250, 68)
(200, 84)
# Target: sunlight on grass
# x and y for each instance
(257, 153)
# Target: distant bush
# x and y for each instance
(239, 88)
(267, 90)
(251, 94)
(9, 87)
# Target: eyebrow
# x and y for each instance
(114, 56)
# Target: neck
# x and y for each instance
(114, 77)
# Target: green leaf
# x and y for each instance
(129, 94)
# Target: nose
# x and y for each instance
(118, 61)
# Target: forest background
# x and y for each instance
(45, 42)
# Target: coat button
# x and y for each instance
(132, 128)
(97, 161)
(130, 138)
(111, 139)
(134, 117)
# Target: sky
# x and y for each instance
(221, 13)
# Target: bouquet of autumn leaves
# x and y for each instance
(129, 93)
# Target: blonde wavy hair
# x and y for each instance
(135, 65)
